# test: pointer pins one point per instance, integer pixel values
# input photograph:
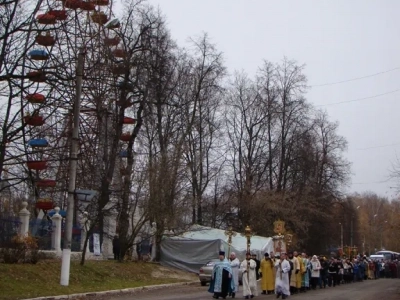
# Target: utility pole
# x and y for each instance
(341, 235)
(73, 162)
(382, 230)
(351, 227)
(374, 235)
(351, 231)
(364, 245)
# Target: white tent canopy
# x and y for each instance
(194, 248)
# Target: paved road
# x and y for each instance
(382, 289)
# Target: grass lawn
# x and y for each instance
(21, 281)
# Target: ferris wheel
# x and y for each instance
(62, 29)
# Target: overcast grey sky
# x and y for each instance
(337, 40)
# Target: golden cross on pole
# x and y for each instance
(230, 233)
(248, 234)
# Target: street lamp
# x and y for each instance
(382, 234)
(351, 228)
(374, 233)
(341, 235)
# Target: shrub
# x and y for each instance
(21, 249)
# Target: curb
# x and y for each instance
(116, 292)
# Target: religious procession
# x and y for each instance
(284, 273)
(292, 273)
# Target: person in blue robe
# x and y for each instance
(221, 280)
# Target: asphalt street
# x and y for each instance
(387, 289)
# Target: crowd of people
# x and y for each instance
(291, 273)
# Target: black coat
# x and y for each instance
(258, 265)
(116, 245)
(333, 267)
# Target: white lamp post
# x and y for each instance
(341, 235)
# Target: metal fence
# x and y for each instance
(9, 226)
(76, 239)
(42, 229)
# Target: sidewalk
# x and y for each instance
(116, 292)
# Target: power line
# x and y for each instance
(354, 79)
(360, 99)
(382, 146)
(384, 181)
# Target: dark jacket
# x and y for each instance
(258, 265)
(116, 245)
(333, 267)
(324, 267)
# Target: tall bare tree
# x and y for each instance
(164, 130)
(201, 146)
(246, 123)
(140, 37)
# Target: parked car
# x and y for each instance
(378, 257)
(205, 273)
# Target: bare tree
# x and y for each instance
(140, 41)
(291, 87)
(18, 87)
(205, 91)
(166, 141)
(163, 130)
(287, 159)
(247, 133)
(268, 89)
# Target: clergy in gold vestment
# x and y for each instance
(302, 269)
(267, 271)
(295, 272)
